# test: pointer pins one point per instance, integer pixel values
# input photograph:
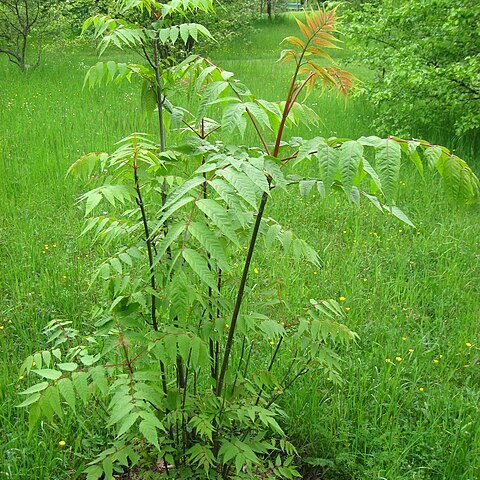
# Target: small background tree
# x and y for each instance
(19, 19)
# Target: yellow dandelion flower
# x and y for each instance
(404, 338)
(62, 443)
(421, 389)
(347, 309)
(255, 270)
(440, 356)
(365, 279)
(387, 360)
(34, 363)
(398, 359)
(227, 325)
(344, 231)
(400, 230)
(435, 361)
(282, 324)
(342, 299)
(2, 327)
(315, 273)
(271, 342)
(21, 377)
(54, 245)
(468, 344)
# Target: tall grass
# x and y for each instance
(408, 407)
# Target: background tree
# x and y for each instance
(18, 20)
(425, 55)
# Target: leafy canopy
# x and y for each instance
(425, 60)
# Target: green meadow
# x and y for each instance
(408, 406)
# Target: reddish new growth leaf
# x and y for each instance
(319, 32)
(343, 80)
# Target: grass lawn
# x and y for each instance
(408, 407)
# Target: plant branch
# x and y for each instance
(148, 240)
(241, 290)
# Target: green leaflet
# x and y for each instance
(68, 367)
(99, 378)
(460, 182)
(149, 431)
(256, 175)
(411, 151)
(174, 232)
(374, 200)
(107, 466)
(126, 423)
(48, 373)
(242, 183)
(373, 174)
(227, 193)
(397, 213)
(211, 93)
(120, 410)
(122, 37)
(259, 114)
(306, 150)
(176, 206)
(350, 158)
(328, 164)
(371, 141)
(185, 30)
(213, 244)
(272, 234)
(148, 98)
(274, 170)
(203, 426)
(220, 217)
(300, 113)
(34, 398)
(80, 382)
(86, 164)
(233, 118)
(183, 190)
(387, 162)
(50, 403)
(179, 294)
(65, 387)
(35, 388)
(93, 199)
(198, 263)
(432, 155)
(305, 187)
